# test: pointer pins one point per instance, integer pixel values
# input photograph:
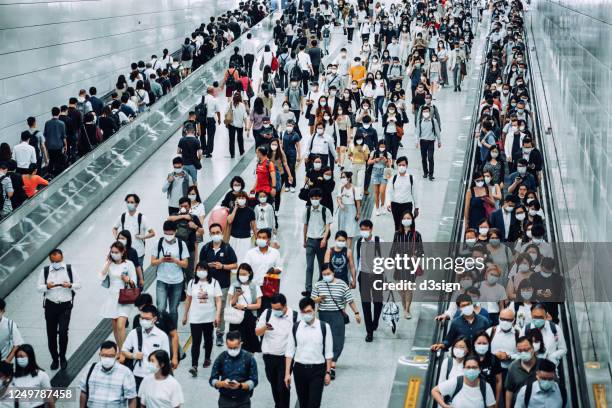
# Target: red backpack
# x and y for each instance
(274, 63)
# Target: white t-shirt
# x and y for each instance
(202, 310)
(131, 224)
(491, 295)
(7, 342)
(41, 380)
(166, 393)
(245, 298)
(468, 397)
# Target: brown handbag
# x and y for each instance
(128, 295)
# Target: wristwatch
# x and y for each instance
(328, 372)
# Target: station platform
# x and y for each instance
(366, 369)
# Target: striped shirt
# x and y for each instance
(337, 291)
(109, 389)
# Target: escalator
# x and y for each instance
(585, 376)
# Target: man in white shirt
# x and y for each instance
(322, 145)
(263, 257)
(135, 222)
(212, 110)
(309, 352)
(10, 337)
(248, 51)
(24, 154)
(58, 281)
(466, 391)
(143, 341)
(275, 325)
(503, 338)
(401, 195)
(303, 61)
(343, 63)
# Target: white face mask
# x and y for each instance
(107, 362)
(426, 115)
(343, 181)
(146, 324)
(192, 197)
(243, 278)
(263, 199)
(366, 125)
(467, 310)
(169, 237)
(262, 243)
(115, 257)
(402, 169)
(315, 203)
(328, 278)
(364, 234)
(327, 177)
(202, 274)
(520, 216)
(406, 222)
(479, 183)
(236, 188)
(340, 244)
(233, 352)
(241, 202)
(458, 352)
(487, 180)
(123, 241)
(317, 166)
(289, 129)
(320, 131)
(504, 325)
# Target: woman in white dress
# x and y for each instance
(197, 209)
(116, 274)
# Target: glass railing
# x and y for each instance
(44, 221)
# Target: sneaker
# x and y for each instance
(286, 189)
(431, 177)
(292, 189)
(55, 365)
(407, 315)
(219, 340)
(369, 338)
(424, 175)
(377, 211)
(193, 371)
(206, 363)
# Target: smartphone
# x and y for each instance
(269, 326)
(232, 382)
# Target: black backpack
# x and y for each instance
(186, 52)
(482, 385)
(201, 111)
(323, 332)
(34, 143)
(68, 271)
(529, 389)
(231, 81)
(160, 247)
(123, 221)
(377, 250)
(129, 363)
(296, 73)
(114, 116)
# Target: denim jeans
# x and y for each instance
(192, 171)
(169, 295)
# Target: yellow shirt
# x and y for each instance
(359, 154)
(358, 73)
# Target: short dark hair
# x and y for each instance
(402, 159)
(93, 91)
(278, 298)
(6, 368)
(546, 365)
(108, 344)
(366, 223)
(134, 196)
(463, 298)
(215, 224)
(305, 302)
(149, 309)
(184, 200)
(237, 179)
(522, 339)
(266, 231)
(72, 101)
(169, 226)
(55, 111)
(315, 192)
(56, 251)
(31, 121)
(233, 335)
(177, 160)
(143, 299)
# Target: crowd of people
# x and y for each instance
(345, 117)
(87, 120)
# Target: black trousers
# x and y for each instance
(57, 317)
(309, 383)
(397, 209)
(56, 161)
(211, 128)
(291, 161)
(370, 297)
(275, 373)
(427, 156)
(368, 177)
(199, 330)
(248, 64)
(233, 132)
(305, 80)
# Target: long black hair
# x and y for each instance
(32, 367)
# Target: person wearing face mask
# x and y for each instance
(29, 375)
(475, 199)
(521, 370)
(58, 282)
(549, 287)
(245, 294)
(264, 213)
(236, 186)
(349, 207)
(427, 133)
(468, 324)
(466, 281)
(6, 191)
(136, 223)
(321, 145)
(317, 221)
(451, 367)
(343, 63)
(309, 355)
(188, 229)
(274, 326)
(503, 339)
(160, 388)
(493, 293)
(107, 382)
(142, 341)
(241, 225)
(176, 185)
(467, 390)
(543, 390)
(332, 295)
(117, 273)
(203, 311)
(294, 96)
(340, 260)
(393, 127)
(504, 220)
(400, 193)
(263, 258)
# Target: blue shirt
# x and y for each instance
(54, 133)
(461, 327)
(242, 368)
(528, 180)
(289, 142)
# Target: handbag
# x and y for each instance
(304, 193)
(228, 119)
(419, 270)
(232, 315)
(128, 295)
(271, 285)
(344, 315)
(400, 131)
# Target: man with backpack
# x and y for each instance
(37, 141)
(176, 186)
(317, 222)
(170, 257)
(309, 353)
(274, 327)
(294, 95)
(401, 196)
(134, 221)
(142, 341)
(234, 374)
(187, 51)
(212, 110)
(188, 229)
(543, 391)
(58, 282)
(108, 382)
(10, 337)
(427, 133)
(467, 390)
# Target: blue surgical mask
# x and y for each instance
(481, 348)
(525, 356)
(278, 313)
(538, 323)
(471, 373)
(308, 317)
(546, 385)
(328, 278)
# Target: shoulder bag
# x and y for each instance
(344, 315)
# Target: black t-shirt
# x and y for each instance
(228, 200)
(107, 125)
(489, 368)
(191, 241)
(133, 256)
(189, 146)
(225, 254)
(241, 227)
(554, 283)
